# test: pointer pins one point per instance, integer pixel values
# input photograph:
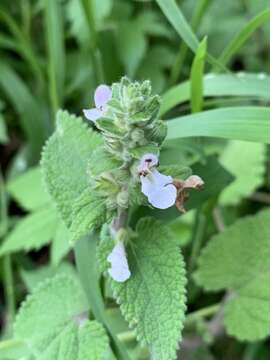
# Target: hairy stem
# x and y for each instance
(85, 256)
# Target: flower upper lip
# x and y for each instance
(102, 95)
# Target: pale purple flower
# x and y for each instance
(159, 188)
(102, 95)
(119, 269)
(148, 161)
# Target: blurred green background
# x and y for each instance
(54, 54)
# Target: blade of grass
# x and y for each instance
(239, 123)
(243, 35)
(29, 111)
(24, 45)
(250, 85)
(196, 77)
(181, 26)
(200, 9)
(56, 52)
(88, 7)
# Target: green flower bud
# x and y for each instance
(137, 134)
(122, 199)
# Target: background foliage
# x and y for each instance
(210, 63)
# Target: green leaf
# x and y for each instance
(238, 259)
(215, 85)
(182, 27)
(32, 278)
(64, 161)
(249, 175)
(178, 21)
(56, 51)
(239, 123)
(28, 190)
(197, 69)
(3, 131)
(243, 35)
(32, 232)
(53, 323)
(61, 244)
(155, 290)
(88, 212)
(28, 108)
(128, 35)
(100, 161)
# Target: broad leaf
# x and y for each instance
(246, 161)
(155, 290)
(32, 232)
(88, 212)
(239, 123)
(239, 260)
(53, 323)
(64, 161)
(28, 190)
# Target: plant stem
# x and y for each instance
(9, 288)
(85, 256)
(202, 313)
(199, 228)
(7, 264)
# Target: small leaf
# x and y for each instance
(64, 161)
(88, 212)
(196, 77)
(28, 190)
(238, 259)
(32, 232)
(101, 161)
(155, 290)
(53, 323)
(249, 175)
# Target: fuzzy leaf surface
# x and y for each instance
(153, 299)
(64, 161)
(239, 260)
(88, 212)
(28, 190)
(53, 323)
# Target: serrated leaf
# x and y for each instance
(246, 161)
(32, 232)
(64, 161)
(239, 259)
(28, 190)
(88, 212)
(53, 323)
(32, 278)
(153, 299)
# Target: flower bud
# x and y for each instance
(122, 199)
